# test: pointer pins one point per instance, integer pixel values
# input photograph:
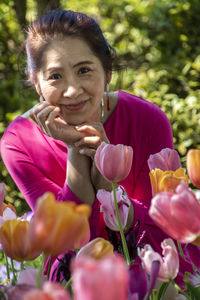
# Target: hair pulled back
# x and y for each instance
(62, 23)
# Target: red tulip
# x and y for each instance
(103, 279)
(193, 166)
(177, 214)
(114, 161)
(169, 263)
(166, 160)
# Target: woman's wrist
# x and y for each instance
(99, 182)
(78, 176)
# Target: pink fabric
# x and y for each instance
(37, 162)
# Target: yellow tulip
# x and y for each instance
(166, 181)
(193, 166)
(15, 240)
(58, 226)
(97, 249)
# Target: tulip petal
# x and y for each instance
(166, 159)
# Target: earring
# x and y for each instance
(102, 109)
(107, 97)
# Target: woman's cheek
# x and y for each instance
(50, 94)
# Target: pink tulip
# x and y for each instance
(50, 291)
(177, 214)
(108, 207)
(165, 160)
(114, 161)
(104, 279)
(169, 263)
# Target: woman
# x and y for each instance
(52, 146)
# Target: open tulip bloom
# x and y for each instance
(169, 263)
(108, 207)
(177, 214)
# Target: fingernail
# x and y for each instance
(81, 151)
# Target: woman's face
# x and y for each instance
(72, 78)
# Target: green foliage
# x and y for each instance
(156, 40)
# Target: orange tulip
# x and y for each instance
(166, 181)
(15, 240)
(97, 249)
(193, 166)
(58, 226)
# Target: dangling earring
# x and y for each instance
(107, 97)
(102, 109)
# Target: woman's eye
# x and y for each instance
(83, 70)
(55, 76)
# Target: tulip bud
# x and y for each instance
(114, 161)
(97, 249)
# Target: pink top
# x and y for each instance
(37, 162)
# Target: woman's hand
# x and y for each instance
(94, 134)
(49, 120)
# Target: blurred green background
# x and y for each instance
(158, 41)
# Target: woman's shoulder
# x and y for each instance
(138, 107)
(21, 132)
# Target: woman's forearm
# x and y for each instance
(78, 176)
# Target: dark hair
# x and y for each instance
(61, 23)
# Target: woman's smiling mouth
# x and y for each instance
(75, 106)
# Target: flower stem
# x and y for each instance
(2, 295)
(68, 284)
(49, 268)
(179, 289)
(40, 270)
(7, 268)
(181, 250)
(13, 270)
(124, 245)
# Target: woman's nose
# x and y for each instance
(72, 90)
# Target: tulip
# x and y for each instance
(15, 240)
(29, 277)
(139, 285)
(84, 240)
(50, 291)
(193, 166)
(166, 181)
(165, 160)
(114, 161)
(8, 214)
(108, 208)
(177, 214)
(103, 279)
(2, 196)
(97, 249)
(58, 226)
(169, 263)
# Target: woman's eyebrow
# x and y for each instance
(84, 62)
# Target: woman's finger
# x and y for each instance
(94, 129)
(93, 141)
